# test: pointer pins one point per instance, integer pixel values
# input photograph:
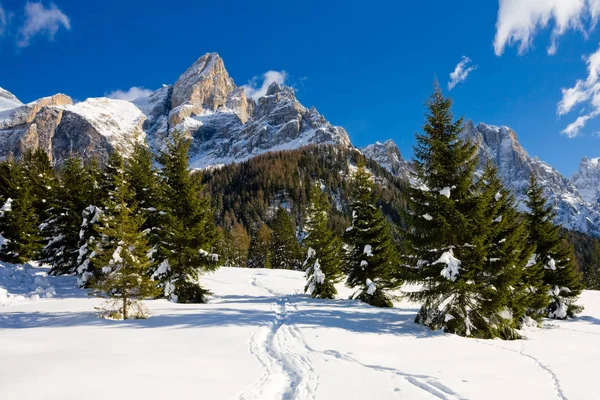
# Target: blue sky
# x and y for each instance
(368, 67)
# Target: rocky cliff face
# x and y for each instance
(515, 165)
(92, 128)
(224, 124)
(388, 155)
(587, 180)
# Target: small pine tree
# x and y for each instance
(371, 259)
(259, 254)
(286, 252)
(240, 245)
(555, 254)
(121, 259)
(189, 235)
(323, 249)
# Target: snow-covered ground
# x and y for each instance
(258, 338)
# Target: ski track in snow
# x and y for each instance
(557, 387)
(288, 374)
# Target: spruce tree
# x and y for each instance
(75, 191)
(143, 178)
(555, 254)
(285, 250)
(189, 235)
(19, 223)
(592, 278)
(505, 284)
(259, 254)
(371, 259)
(121, 261)
(463, 238)
(38, 170)
(240, 245)
(323, 249)
(102, 184)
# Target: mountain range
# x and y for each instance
(228, 126)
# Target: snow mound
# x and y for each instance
(19, 283)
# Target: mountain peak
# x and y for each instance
(205, 84)
(388, 155)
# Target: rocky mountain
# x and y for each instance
(227, 126)
(388, 155)
(587, 180)
(515, 165)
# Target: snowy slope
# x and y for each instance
(8, 100)
(258, 338)
(119, 121)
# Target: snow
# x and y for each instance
(259, 338)
(498, 196)
(368, 250)
(371, 287)
(427, 217)
(7, 207)
(551, 264)
(532, 260)
(450, 271)
(499, 219)
(445, 192)
(118, 120)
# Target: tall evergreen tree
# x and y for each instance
(19, 223)
(189, 235)
(121, 259)
(75, 191)
(507, 286)
(464, 244)
(371, 259)
(102, 184)
(593, 276)
(286, 252)
(38, 170)
(259, 254)
(323, 249)
(554, 253)
(143, 178)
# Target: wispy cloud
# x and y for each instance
(460, 73)
(519, 21)
(3, 21)
(585, 92)
(41, 21)
(254, 91)
(130, 94)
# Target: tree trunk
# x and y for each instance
(124, 307)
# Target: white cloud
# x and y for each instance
(255, 92)
(130, 94)
(584, 92)
(40, 20)
(461, 72)
(520, 20)
(3, 21)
